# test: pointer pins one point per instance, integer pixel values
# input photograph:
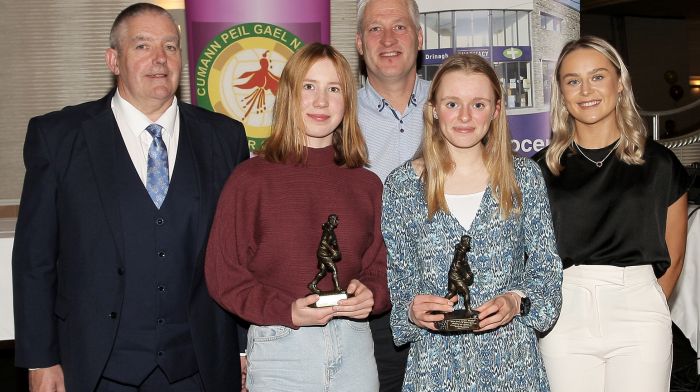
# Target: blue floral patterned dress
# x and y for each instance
(518, 253)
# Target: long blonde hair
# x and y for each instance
(633, 131)
(498, 155)
(287, 139)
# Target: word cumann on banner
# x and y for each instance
(238, 72)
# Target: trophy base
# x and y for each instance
(329, 299)
(459, 321)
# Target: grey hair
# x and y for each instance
(132, 11)
(412, 12)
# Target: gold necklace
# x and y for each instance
(600, 162)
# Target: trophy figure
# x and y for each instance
(460, 278)
(328, 254)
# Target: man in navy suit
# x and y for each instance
(118, 200)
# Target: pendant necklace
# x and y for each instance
(599, 163)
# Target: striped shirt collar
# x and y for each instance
(373, 96)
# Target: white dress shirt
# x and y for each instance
(132, 125)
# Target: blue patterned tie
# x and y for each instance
(157, 181)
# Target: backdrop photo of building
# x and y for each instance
(521, 39)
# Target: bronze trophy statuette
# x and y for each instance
(328, 254)
(460, 278)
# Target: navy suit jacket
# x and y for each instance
(68, 262)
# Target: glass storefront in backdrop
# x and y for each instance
(522, 40)
(500, 36)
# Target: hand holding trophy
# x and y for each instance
(328, 254)
(460, 278)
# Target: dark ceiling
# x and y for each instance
(680, 9)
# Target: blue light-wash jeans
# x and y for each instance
(336, 357)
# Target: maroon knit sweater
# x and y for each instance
(262, 247)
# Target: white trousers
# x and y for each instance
(613, 334)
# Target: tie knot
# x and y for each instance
(155, 130)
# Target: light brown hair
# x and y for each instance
(287, 140)
(632, 129)
(498, 155)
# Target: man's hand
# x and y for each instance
(359, 306)
(48, 379)
(244, 372)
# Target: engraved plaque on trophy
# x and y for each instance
(327, 254)
(460, 278)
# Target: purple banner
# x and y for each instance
(480, 51)
(530, 132)
(500, 54)
(237, 50)
(435, 56)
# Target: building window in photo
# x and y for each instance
(550, 22)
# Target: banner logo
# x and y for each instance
(238, 72)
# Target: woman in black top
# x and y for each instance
(619, 205)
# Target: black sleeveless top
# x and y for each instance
(614, 214)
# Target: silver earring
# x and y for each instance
(435, 115)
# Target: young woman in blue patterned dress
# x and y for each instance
(465, 180)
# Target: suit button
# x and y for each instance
(120, 271)
(160, 321)
(160, 353)
(161, 288)
(112, 315)
(160, 221)
(161, 253)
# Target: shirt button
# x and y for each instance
(160, 221)
(161, 253)
(112, 315)
(401, 130)
(401, 121)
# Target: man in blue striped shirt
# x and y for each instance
(390, 110)
(390, 105)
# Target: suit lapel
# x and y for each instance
(103, 141)
(200, 139)
(103, 138)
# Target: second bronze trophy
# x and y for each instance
(460, 278)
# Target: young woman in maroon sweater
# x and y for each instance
(263, 244)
